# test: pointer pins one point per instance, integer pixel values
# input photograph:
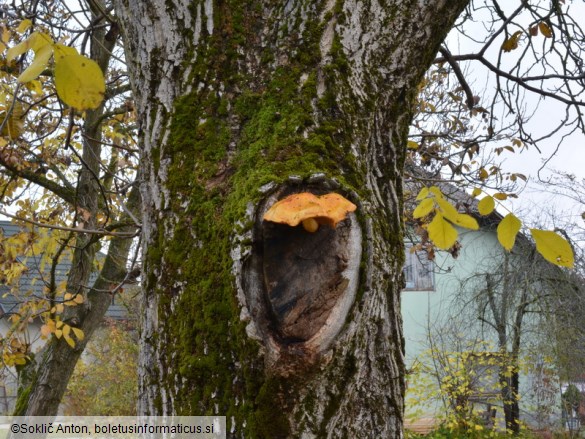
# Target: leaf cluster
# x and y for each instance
(68, 161)
(445, 216)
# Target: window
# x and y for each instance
(418, 271)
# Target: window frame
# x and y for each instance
(422, 274)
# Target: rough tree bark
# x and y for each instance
(241, 103)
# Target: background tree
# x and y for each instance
(105, 380)
(67, 170)
(105, 383)
(511, 300)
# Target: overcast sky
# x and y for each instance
(569, 157)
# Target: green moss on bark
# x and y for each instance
(228, 138)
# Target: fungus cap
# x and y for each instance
(310, 210)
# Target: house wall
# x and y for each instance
(449, 313)
(421, 309)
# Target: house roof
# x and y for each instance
(36, 276)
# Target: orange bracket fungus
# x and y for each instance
(297, 288)
(310, 210)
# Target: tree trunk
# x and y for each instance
(241, 103)
(510, 396)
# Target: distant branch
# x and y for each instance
(522, 82)
(69, 229)
(460, 76)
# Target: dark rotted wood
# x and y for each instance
(302, 276)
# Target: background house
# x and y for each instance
(448, 308)
(31, 283)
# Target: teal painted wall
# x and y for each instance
(479, 252)
(440, 310)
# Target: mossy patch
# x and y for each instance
(232, 134)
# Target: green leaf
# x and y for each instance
(486, 205)
(441, 232)
(425, 207)
(507, 231)
(553, 248)
(79, 81)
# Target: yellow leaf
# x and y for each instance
(19, 360)
(5, 35)
(424, 192)
(66, 330)
(2, 47)
(58, 333)
(512, 42)
(553, 248)
(78, 299)
(39, 64)
(46, 330)
(545, 29)
(507, 231)
(425, 207)
(62, 50)
(79, 81)
(35, 86)
(441, 232)
(14, 127)
(412, 145)
(447, 209)
(17, 50)
(436, 191)
(486, 205)
(69, 340)
(78, 333)
(483, 174)
(24, 26)
(466, 221)
(36, 41)
(476, 192)
(500, 196)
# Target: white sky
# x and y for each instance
(533, 203)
